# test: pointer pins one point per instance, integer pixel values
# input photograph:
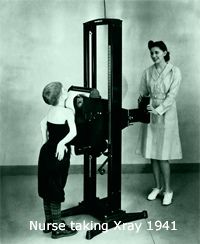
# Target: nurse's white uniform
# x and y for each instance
(160, 138)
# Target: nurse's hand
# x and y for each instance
(151, 109)
(60, 150)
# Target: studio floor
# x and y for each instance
(20, 204)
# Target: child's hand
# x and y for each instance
(60, 151)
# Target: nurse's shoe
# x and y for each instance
(168, 197)
(154, 194)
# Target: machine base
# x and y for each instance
(100, 211)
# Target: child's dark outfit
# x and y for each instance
(52, 177)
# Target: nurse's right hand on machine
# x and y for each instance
(139, 99)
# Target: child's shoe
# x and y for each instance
(68, 231)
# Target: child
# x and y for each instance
(58, 129)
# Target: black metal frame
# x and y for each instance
(107, 210)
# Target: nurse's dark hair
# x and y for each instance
(162, 46)
(52, 92)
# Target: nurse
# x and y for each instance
(159, 140)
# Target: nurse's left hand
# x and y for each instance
(151, 109)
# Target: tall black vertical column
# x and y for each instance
(115, 104)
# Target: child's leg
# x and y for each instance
(47, 211)
(56, 212)
(48, 216)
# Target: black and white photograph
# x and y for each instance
(99, 121)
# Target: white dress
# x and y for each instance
(160, 138)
